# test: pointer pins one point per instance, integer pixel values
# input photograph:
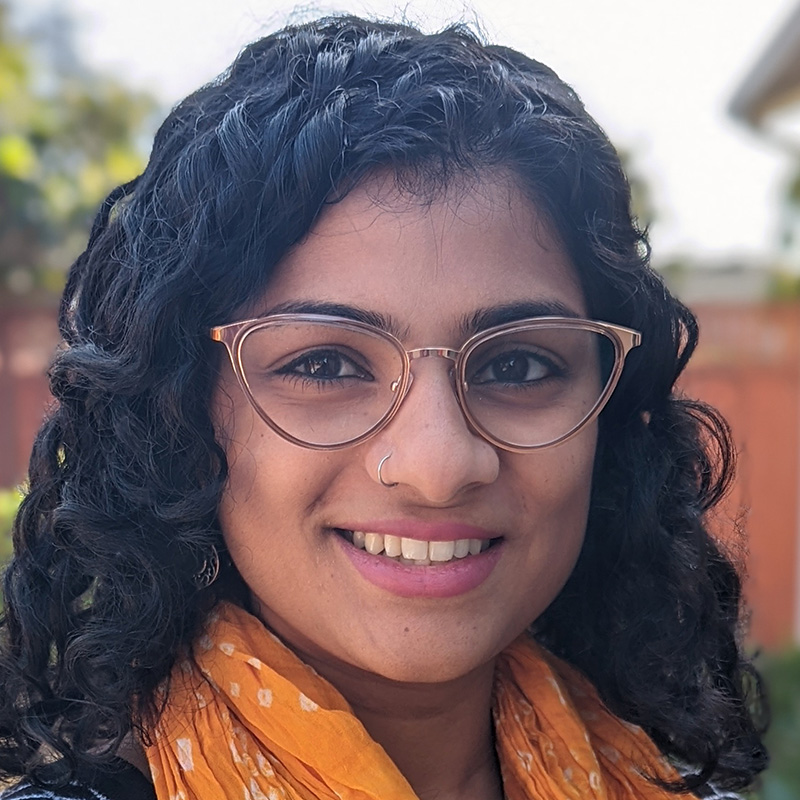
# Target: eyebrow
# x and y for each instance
(492, 316)
(479, 320)
(383, 321)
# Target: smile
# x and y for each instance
(414, 552)
(439, 571)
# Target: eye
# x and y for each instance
(515, 367)
(324, 365)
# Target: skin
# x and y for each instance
(414, 669)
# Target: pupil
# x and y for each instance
(324, 366)
(511, 368)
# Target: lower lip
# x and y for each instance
(450, 579)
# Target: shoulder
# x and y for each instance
(123, 782)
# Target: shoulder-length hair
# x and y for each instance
(126, 473)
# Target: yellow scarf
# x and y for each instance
(250, 721)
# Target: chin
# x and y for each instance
(423, 661)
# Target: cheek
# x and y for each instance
(556, 507)
(265, 483)
(271, 488)
(258, 512)
(260, 463)
(246, 505)
(560, 478)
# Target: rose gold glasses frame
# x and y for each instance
(623, 339)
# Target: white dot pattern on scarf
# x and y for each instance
(183, 749)
(611, 753)
(265, 697)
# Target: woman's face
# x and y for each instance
(287, 510)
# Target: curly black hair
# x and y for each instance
(126, 473)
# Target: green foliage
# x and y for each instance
(67, 137)
(781, 672)
(9, 501)
(641, 195)
(784, 286)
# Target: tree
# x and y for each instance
(68, 135)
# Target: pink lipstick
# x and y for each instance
(413, 559)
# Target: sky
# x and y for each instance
(656, 74)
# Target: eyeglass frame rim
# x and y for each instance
(234, 334)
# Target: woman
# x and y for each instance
(327, 506)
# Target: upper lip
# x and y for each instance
(423, 531)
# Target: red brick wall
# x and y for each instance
(28, 338)
(748, 366)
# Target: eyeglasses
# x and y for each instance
(327, 382)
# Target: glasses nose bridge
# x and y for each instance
(433, 352)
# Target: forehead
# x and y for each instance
(429, 261)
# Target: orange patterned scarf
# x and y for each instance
(250, 720)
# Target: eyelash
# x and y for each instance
(292, 372)
(553, 369)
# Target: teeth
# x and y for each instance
(461, 549)
(414, 552)
(414, 549)
(373, 543)
(392, 545)
(441, 551)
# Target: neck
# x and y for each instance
(440, 735)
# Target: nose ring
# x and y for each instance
(380, 476)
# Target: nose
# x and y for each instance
(433, 449)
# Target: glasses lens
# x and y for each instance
(321, 383)
(529, 387)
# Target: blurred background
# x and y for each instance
(702, 98)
